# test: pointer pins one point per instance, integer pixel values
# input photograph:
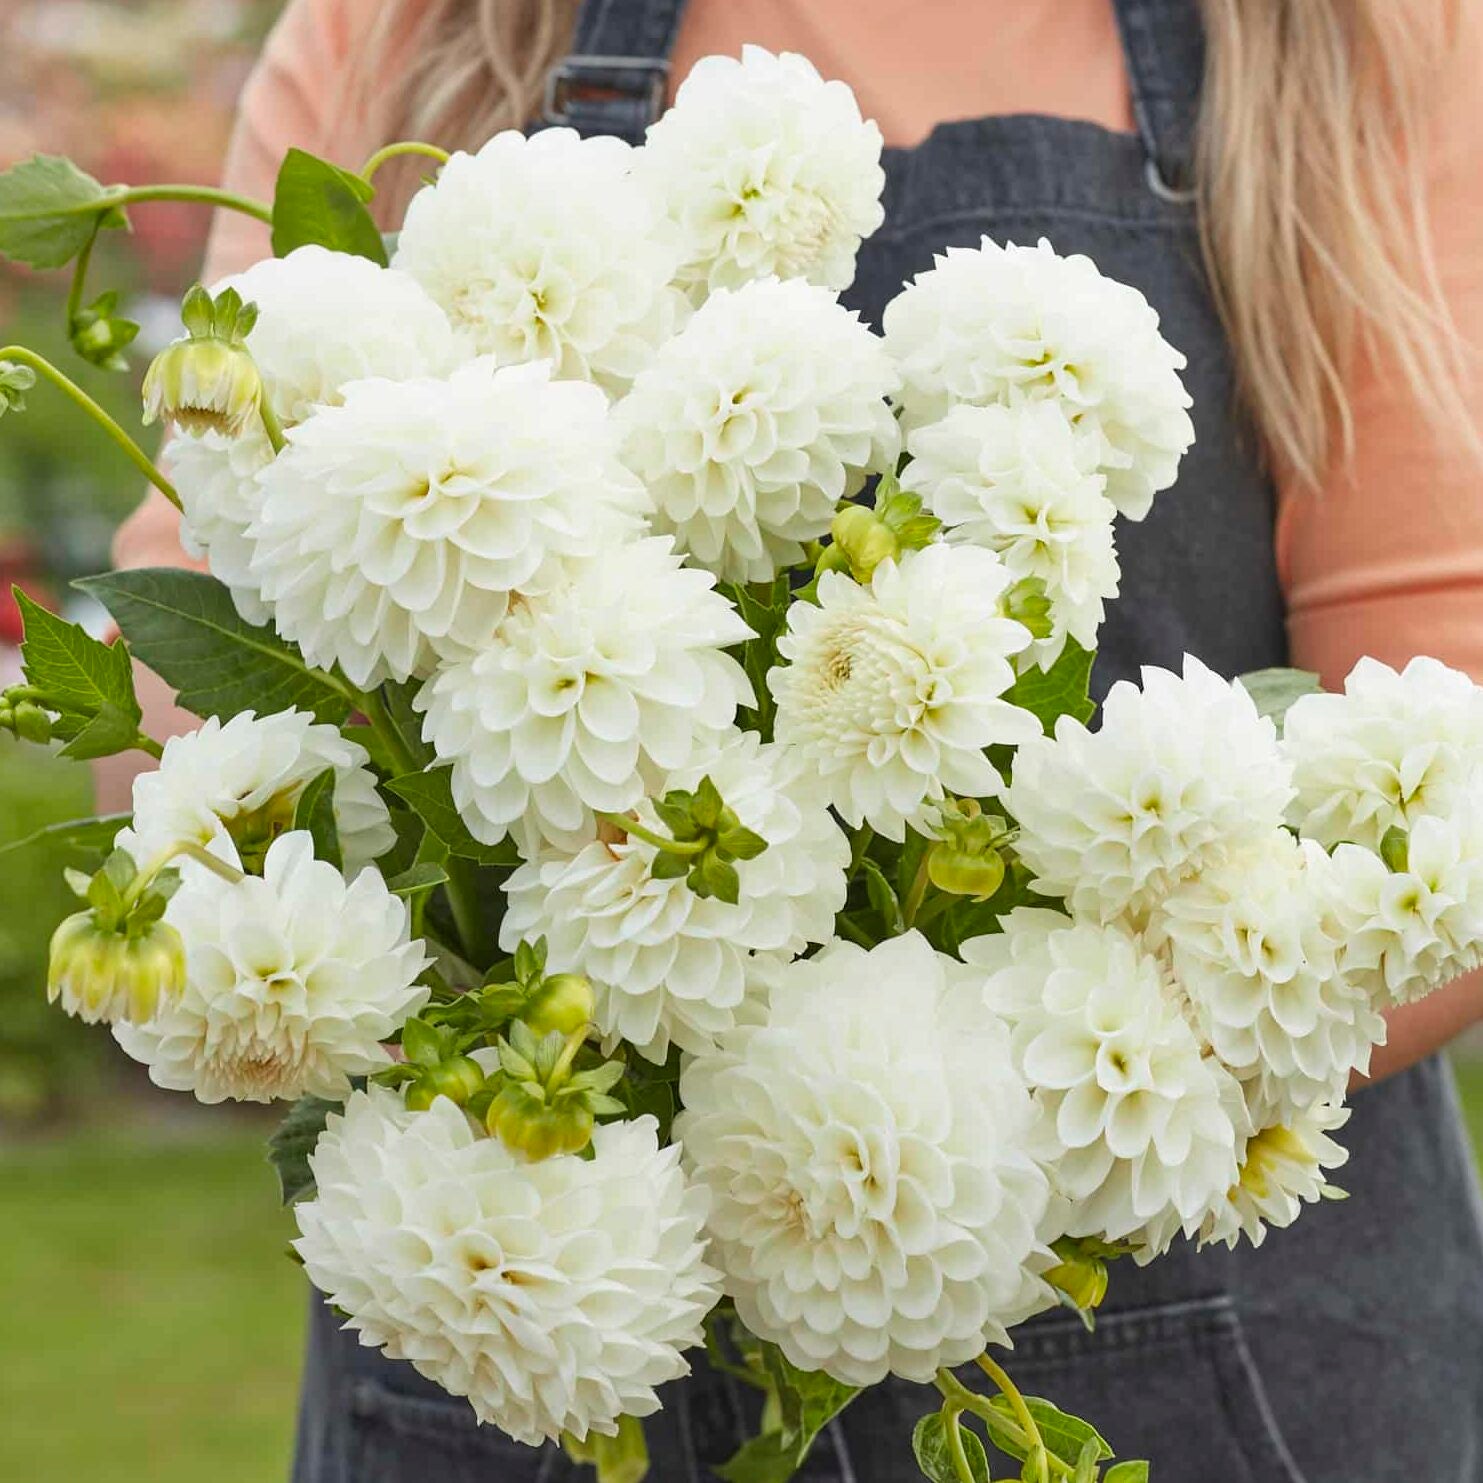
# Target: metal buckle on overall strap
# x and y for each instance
(589, 80)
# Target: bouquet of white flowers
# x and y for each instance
(645, 810)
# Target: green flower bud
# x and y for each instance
(457, 1079)
(203, 386)
(564, 1003)
(529, 1124)
(962, 872)
(99, 335)
(865, 539)
(15, 382)
(30, 722)
(1082, 1280)
(1027, 603)
(99, 974)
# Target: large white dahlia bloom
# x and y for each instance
(995, 324)
(232, 786)
(324, 319)
(766, 169)
(611, 678)
(874, 1208)
(1392, 748)
(293, 980)
(1023, 481)
(668, 966)
(394, 527)
(545, 248)
(751, 425)
(1255, 942)
(891, 691)
(1282, 1169)
(1143, 1128)
(556, 1296)
(1178, 774)
(1411, 929)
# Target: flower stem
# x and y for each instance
(630, 825)
(136, 455)
(913, 903)
(950, 1424)
(1021, 1411)
(79, 277)
(853, 931)
(271, 425)
(206, 195)
(372, 706)
(396, 151)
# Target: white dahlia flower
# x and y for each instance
(1389, 750)
(766, 169)
(545, 248)
(556, 1296)
(1141, 1125)
(891, 691)
(293, 980)
(1412, 929)
(1178, 774)
(874, 1208)
(392, 529)
(233, 785)
(1255, 943)
(668, 966)
(996, 324)
(752, 424)
(613, 677)
(1022, 481)
(1282, 1170)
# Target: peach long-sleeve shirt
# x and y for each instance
(1386, 559)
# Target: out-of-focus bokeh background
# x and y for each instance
(142, 1260)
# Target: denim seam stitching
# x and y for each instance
(1264, 1405)
(1073, 213)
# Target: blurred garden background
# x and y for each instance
(142, 1260)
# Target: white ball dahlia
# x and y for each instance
(556, 1296)
(613, 677)
(1022, 481)
(752, 424)
(392, 529)
(1392, 748)
(874, 1208)
(546, 248)
(1143, 1128)
(232, 786)
(668, 966)
(1282, 1170)
(891, 692)
(766, 169)
(1412, 929)
(1255, 942)
(1178, 774)
(997, 324)
(293, 980)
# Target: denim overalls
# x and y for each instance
(1348, 1349)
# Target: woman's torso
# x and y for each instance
(1348, 1348)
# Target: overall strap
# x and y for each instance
(614, 81)
(1165, 45)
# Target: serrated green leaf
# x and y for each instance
(1127, 1472)
(315, 811)
(185, 627)
(315, 202)
(75, 671)
(1062, 690)
(292, 1143)
(46, 215)
(111, 731)
(417, 879)
(807, 1402)
(91, 836)
(430, 795)
(929, 1444)
(1273, 691)
(1064, 1435)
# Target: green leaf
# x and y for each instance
(882, 896)
(1127, 1472)
(111, 731)
(807, 1402)
(186, 628)
(87, 836)
(1064, 1435)
(317, 202)
(620, 1459)
(75, 671)
(45, 220)
(315, 811)
(1086, 1463)
(292, 1143)
(422, 1043)
(1062, 690)
(929, 1442)
(417, 879)
(1274, 690)
(430, 795)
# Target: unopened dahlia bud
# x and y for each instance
(529, 1124)
(458, 1079)
(965, 860)
(15, 382)
(544, 1106)
(1028, 603)
(564, 1003)
(1080, 1277)
(864, 539)
(207, 381)
(102, 974)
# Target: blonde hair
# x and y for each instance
(1311, 153)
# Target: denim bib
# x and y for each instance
(1348, 1349)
